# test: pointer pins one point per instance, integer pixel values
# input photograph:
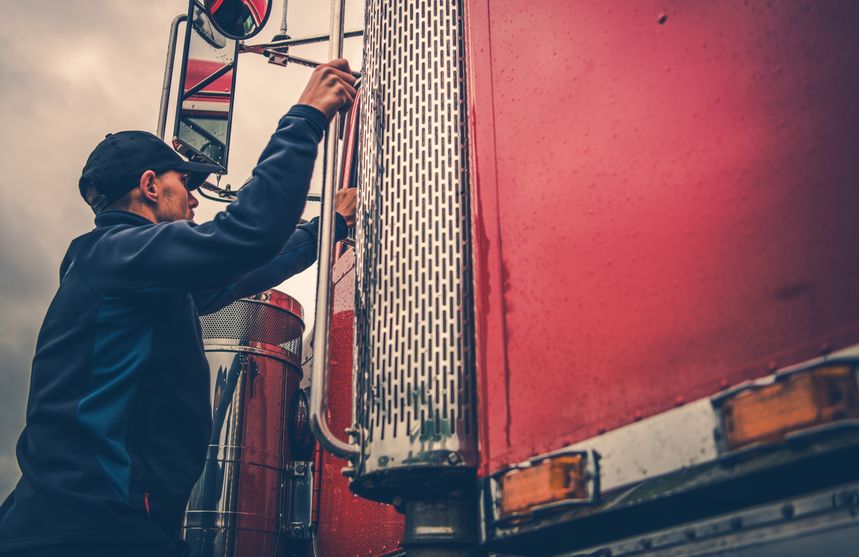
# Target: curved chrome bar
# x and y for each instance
(168, 74)
(319, 378)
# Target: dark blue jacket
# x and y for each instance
(119, 416)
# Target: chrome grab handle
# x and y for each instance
(319, 374)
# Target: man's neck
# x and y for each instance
(143, 210)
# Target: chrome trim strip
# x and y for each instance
(229, 345)
(657, 445)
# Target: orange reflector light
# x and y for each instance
(808, 398)
(554, 479)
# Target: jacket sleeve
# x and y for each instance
(298, 254)
(181, 256)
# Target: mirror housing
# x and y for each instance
(206, 90)
(239, 19)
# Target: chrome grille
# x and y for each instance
(256, 321)
(414, 361)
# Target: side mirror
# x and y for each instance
(239, 19)
(206, 89)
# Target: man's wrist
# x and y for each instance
(341, 229)
(313, 115)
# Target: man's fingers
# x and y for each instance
(347, 96)
(336, 81)
(345, 76)
(334, 73)
(331, 88)
(340, 68)
(340, 64)
(351, 91)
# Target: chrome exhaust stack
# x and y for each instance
(415, 412)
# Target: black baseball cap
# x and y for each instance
(114, 167)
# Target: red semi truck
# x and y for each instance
(601, 298)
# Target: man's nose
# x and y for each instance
(192, 201)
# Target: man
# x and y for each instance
(118, 416)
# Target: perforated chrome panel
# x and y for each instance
(252, 321)
(414, 359)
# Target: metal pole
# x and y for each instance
(319, 380)
(283, 18)
(168, 74)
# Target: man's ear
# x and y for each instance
(148, 188)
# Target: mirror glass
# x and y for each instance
(206, 91)
(239, 19)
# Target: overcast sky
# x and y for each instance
(70, 72)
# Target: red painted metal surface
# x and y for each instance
(217, 91)
(348, 525)
(262, 455)
(665, 199)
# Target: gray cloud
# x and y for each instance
(67, 77)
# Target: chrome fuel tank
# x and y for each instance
(240, 507)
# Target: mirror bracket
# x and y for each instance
(221, 195)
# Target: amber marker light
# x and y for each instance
(551, 480)
(767, 413)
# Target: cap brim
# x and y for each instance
(197, 172)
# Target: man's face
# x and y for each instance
(175, 202)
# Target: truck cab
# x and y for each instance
(600, 298)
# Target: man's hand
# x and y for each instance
(344, 203)
(331, 87)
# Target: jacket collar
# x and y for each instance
(112, 218)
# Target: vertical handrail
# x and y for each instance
(168, 74)
(319, 376)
